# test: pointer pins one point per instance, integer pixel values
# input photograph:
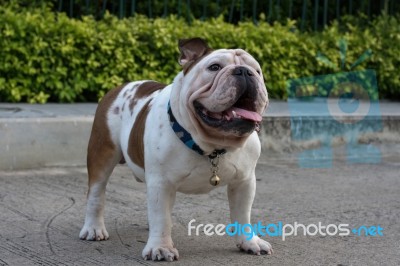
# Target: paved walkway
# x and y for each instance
(41, 212)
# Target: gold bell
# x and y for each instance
(215, 180)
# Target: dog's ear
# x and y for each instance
(192, 49)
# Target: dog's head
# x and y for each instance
(220, 95)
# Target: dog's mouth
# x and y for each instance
(241, 117)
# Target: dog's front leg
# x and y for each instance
(241, 196)
(160, 201)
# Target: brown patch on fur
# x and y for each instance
(144, 90)
(147, 88)
(102, 153)
(136, 145)
(132, 104)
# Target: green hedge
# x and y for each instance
(46, 56)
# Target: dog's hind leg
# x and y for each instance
(103, 155)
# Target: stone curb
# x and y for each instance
(34, 136)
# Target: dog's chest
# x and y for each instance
(198, 180)
(190, 172)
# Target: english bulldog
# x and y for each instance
(191, 136)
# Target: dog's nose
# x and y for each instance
(245, 83)
(242, 71)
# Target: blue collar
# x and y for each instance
(186, 138)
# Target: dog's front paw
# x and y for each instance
(256, 246)
(93, 232)
(160, 250)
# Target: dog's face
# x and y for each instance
(223, 90)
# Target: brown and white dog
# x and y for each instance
(168, 135)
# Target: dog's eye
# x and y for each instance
(259, 72)
(214, 67)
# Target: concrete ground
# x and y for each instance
(42, 210)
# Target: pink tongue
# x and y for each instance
(245, 114)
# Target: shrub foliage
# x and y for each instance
(46, 56)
